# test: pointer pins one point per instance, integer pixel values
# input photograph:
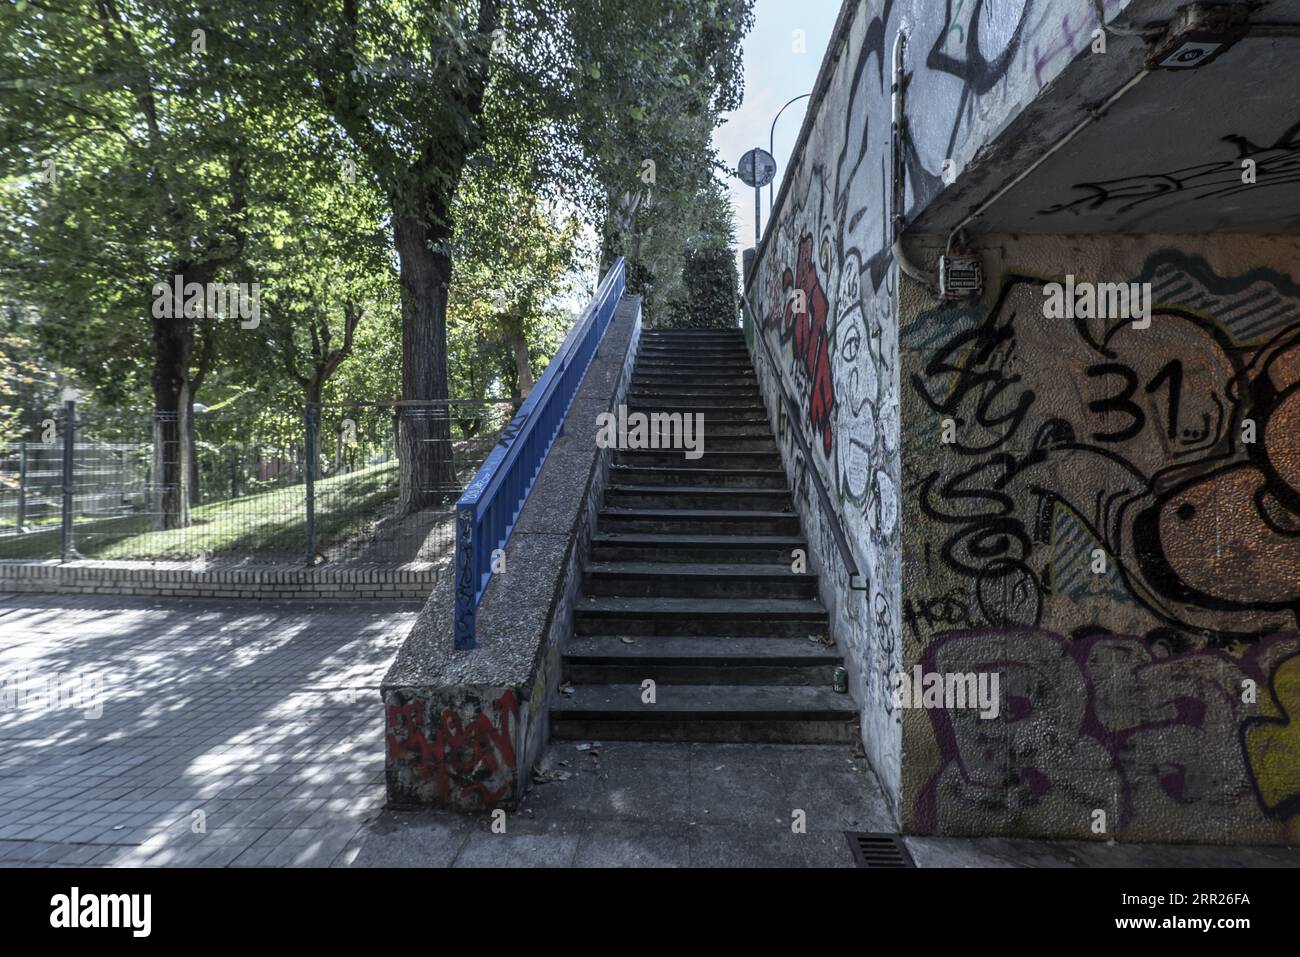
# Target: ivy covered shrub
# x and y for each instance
(712, 292)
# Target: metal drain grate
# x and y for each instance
(879, 850)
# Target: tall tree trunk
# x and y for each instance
(522, 367)
(173, 342)
(424, 439)
(196, 377)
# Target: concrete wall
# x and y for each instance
(1158, 692)
(973, 65)
(464, 728)
(1126, 681)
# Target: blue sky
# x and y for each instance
(774, 72)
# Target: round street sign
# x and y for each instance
(757, 168)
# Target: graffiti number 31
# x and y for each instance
(1122, 401)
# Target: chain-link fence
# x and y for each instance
(374, 483)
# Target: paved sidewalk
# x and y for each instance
(241, 734)
(625, 804)
(629, 804)
(230, 733)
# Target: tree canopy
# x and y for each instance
(415, 192)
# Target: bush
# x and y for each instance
(712, 292)
(640, 281)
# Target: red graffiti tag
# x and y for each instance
(470, 758)
(804, 323)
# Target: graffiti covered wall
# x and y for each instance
(825, 287)
(1112, 523)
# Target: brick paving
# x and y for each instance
(204, 733)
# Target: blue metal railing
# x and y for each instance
(491, 503)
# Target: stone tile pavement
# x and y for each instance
(138, 731)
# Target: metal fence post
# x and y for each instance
(22, 485)
(69, 431)
(309, 415)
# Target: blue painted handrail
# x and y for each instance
(491, 503)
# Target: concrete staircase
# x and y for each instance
(690, 582)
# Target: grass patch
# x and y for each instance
(272, 524)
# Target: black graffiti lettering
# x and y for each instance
(1172, 372)
(1122, 402)
(950, 610)
(1277, 165)
(980, 375)
(984, 537)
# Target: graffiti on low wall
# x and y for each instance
(458, 754)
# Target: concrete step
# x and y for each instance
(690, 365)
(689, 581)
(712, 458)
(697, 351)
(782, 713)
(714, 478)
(623, 659)
(697, 521)
(667, 433)
(660, 381)
(707, 387)
(697, 580)
(723, 427)
(790, 617)
(693, 334)
(704, 442)
(686, 377)
(728, 409)
(617, 546)
(703, 360)
(702, 396)
(697, 497)
(737, 443)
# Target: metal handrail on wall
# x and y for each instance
(754, 331)
(487, 511)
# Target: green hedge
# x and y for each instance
(712, 292)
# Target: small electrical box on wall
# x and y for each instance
(1198, 35)
(960, 277)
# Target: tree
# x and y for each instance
(684, 253)
(517, 254)
(657, 79)
(183, 136)
(407, 83)
(421, 90)
(138, 177)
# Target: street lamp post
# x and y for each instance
(771, 147)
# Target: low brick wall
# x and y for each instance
(412, 582)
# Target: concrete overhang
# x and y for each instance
(1165, 157)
